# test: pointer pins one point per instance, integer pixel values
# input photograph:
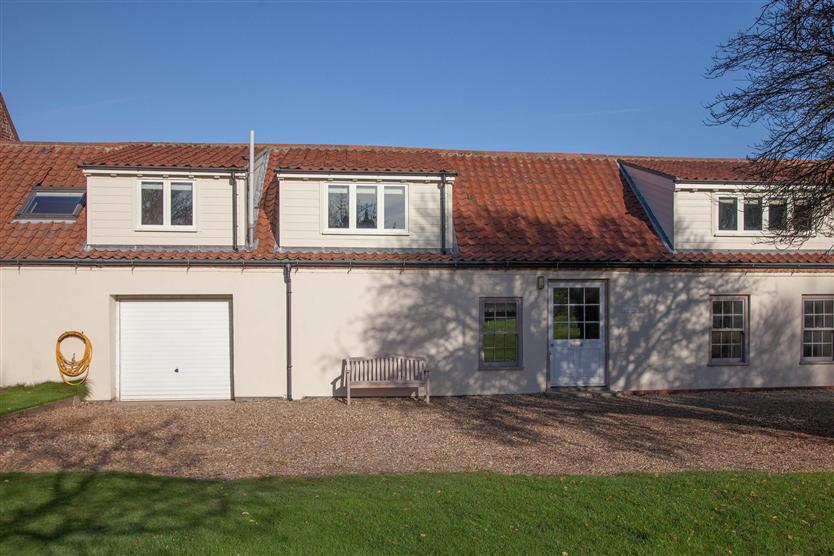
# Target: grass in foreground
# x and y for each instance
(20, 397)
(712, 513)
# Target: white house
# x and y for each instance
(228, 271)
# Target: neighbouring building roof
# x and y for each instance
(697, 169)
(508, 207)
(7, 130)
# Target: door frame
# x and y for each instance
(557, 282)
(170, 297)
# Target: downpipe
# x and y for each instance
(288, 287)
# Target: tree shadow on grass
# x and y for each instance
(65, 509)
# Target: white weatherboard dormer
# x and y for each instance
(353, 210)
(180, 208)
(712, 215)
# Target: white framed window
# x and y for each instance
(750, 215)
(361, 208)
(166, 204)
(818, 329)
(728, 330)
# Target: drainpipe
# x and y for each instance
(443, 212)
(288, 283)
(252, 212)
(233, 183)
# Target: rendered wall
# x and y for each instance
(658, 325)
(38, 303)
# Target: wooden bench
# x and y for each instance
(392, 371)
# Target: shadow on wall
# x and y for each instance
(659, 322)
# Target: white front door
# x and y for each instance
(174, 350)
(577, 334)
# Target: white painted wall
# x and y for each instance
(658, 193)
(302, 210)
(658, 335)
(113, 212)
(39, 303)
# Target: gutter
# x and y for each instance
(288, 284)
(449, 264)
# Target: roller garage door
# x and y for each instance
(174, 350)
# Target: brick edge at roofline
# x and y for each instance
(452, 264)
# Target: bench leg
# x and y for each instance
(348, 393)
(427, 392)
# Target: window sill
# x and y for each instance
(191, 229)
(364, 232)
(812, 362)
(728, 364)
(512, 368)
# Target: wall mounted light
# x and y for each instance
(540, 282)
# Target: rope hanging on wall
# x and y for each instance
(74, 372)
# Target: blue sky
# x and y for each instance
(596, 77)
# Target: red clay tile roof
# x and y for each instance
(697, 169)
(508, 207)
(173, 155)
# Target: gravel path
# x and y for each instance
(774, 431)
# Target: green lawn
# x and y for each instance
(688, 513)
(16, 398)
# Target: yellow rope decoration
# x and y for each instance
(74, 372)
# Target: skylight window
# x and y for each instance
(52, 204)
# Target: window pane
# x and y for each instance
(728, 213)
(802, 214)
(752, 214)
(561, 331)
(560, 296)
(577, 295)
(560, 313)
(54, 203)
(394, 208)
(777, 215)
(592, 331)
(182, 204)
(366, 207)
(338, 206)
(592, 313)
(591, 295)
(152, 204)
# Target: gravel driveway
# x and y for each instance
(775, 431)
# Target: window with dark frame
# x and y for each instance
(500, 334)
(818, 328)
(728, 213)
(53, 204)
(728, 333)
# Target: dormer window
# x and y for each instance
(742, 215)
(365, 209)
(166, 205)
(52, 204)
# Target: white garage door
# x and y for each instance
(174, 350)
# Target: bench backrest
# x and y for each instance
(391, 368)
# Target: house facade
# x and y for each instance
(235, 271)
